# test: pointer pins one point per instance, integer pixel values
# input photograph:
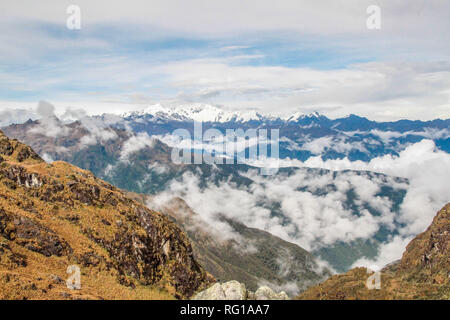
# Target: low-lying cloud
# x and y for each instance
(314, 213)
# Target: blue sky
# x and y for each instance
(276, 58)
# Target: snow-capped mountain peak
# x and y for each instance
(300, 115)
(209, 113)
(196, 112)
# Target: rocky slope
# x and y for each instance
(422, 273)
(56, 215)
(233, 290)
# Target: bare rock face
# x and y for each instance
(31, 235)
(233, 290)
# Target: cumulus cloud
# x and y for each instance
(221, 231)
(388, 137)
(428, 172)
(426, 168)
(49, 124)
(97, 130)
(134, 144)
(72, 115)
(47, 158)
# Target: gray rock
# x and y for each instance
(56, 279)
(265, 293)
(231, 290)
(234, 290)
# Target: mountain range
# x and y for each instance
(142, 164)
(314, 220)
(302, 135)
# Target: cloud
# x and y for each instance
(308, 219)
(288, 56)
(15, 116)
(338, 144)
(96, 130)
(134, 144)
(387, 253)
(47, 158)
(221, 231)
(428, 172)
(312, 206)
(49, 124)
(426, 168)
(99, 131)
(378, 90)
(430, 133)
(325, 17)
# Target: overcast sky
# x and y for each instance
(274, 56)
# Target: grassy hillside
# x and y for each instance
(422, 273)
(56, 215)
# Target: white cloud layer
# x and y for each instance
(379, 90)
(319, 220)
(213, 17)
(399, 71)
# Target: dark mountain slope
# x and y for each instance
(252, 256)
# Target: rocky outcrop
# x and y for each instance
(233, 290)
(31, 235)
(265, 293)
(19, 151)
(22, 177)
